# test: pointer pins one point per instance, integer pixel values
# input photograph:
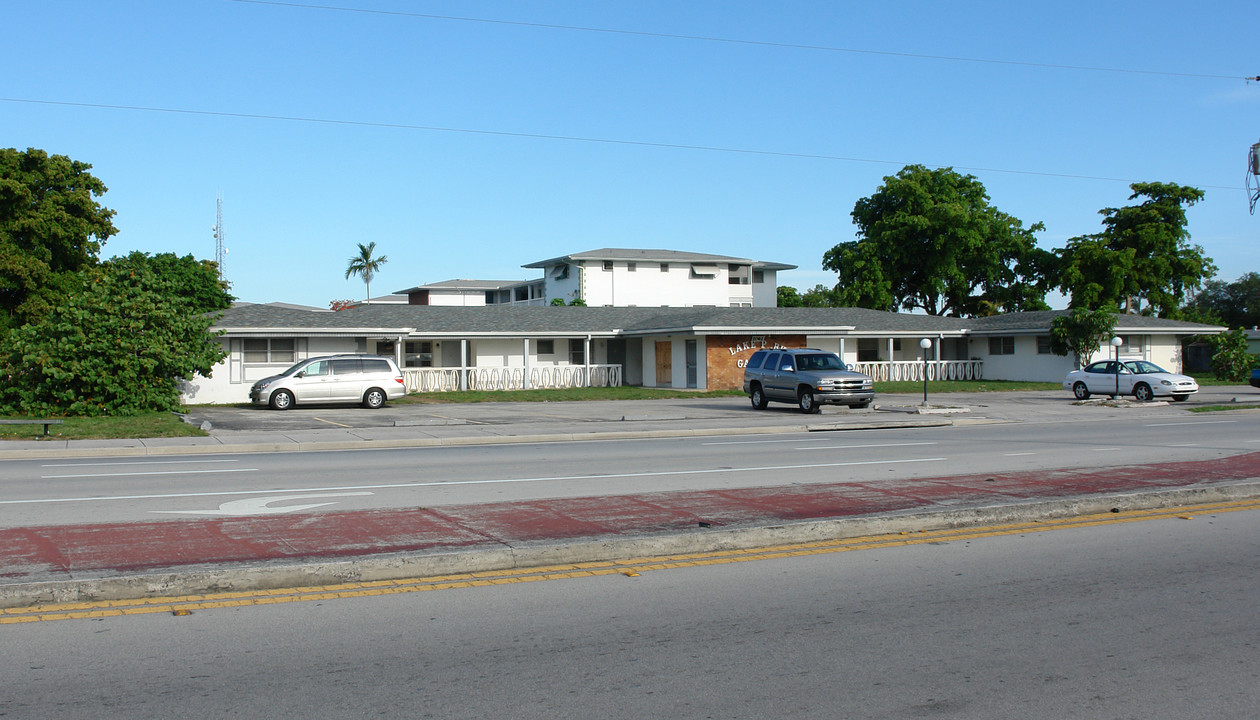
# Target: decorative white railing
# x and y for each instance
(510, 378)
(913, 370)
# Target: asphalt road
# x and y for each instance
(1151, 620)
(94, 490)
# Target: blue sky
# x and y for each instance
(469, 138)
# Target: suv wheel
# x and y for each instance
(807, 402)
(374, 398)
(758, 397)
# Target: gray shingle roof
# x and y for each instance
(525, 320)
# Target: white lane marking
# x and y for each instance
(1018, 454)
(156, 472)
(391, 486)
(1193, 422)
(799, 440)
(138, 462)
(260, 506)
(852, 447)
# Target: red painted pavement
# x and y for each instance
(42, 553)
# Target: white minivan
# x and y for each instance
(366, 379)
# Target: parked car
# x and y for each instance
(1255, 378)
(366, 379)
(805, 376)
(1144, 380)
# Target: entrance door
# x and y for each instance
(692, 370)
(664, 364)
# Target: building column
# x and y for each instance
(463, 364)
(525, 379)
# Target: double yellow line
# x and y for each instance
(185, 605)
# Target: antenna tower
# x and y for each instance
(219, 251)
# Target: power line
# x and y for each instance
(736, 41)
(565, 138)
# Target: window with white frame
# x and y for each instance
(268, 350)
(577, 352)
(1004, 345)
(1043, 345)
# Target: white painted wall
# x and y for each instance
(457, 298)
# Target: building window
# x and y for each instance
(759, 277)
(274, 350)
(419, 353)
(632, 267)
(1002, 345)
(896, 344)
(1043, 345)
(577, 352)
(868, 349)
(608, 265)
(546, 347)
(664, 267)
(1132, 345)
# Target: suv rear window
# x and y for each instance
(755, 361)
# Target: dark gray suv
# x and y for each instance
(805, 376)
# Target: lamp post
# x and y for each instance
(1116, 342)
(925, 344)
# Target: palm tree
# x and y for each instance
(366, 265)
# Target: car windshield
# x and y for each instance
(1142, 367)
(819, 362)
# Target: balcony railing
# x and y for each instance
(913, 370)
(448, 379)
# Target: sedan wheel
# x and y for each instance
(1080, 391)
(1142, 392)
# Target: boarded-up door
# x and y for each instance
(664, 364)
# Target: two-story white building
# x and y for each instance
(620, 277)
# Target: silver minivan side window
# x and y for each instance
(346, 366)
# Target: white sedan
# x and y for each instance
(1144, 380)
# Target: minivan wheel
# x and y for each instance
(281, 400)
(807, 402)
(374, 398)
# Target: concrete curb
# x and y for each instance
(200, 580)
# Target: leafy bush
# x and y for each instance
(1230, 359)
(119, 345)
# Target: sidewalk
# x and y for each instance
(117, 561)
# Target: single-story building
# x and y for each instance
(524, 346)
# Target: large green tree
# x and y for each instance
(192, 281)
(928, 239)
(1142, 261)
(1234, 304)
(51, 226)
(119, 344)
